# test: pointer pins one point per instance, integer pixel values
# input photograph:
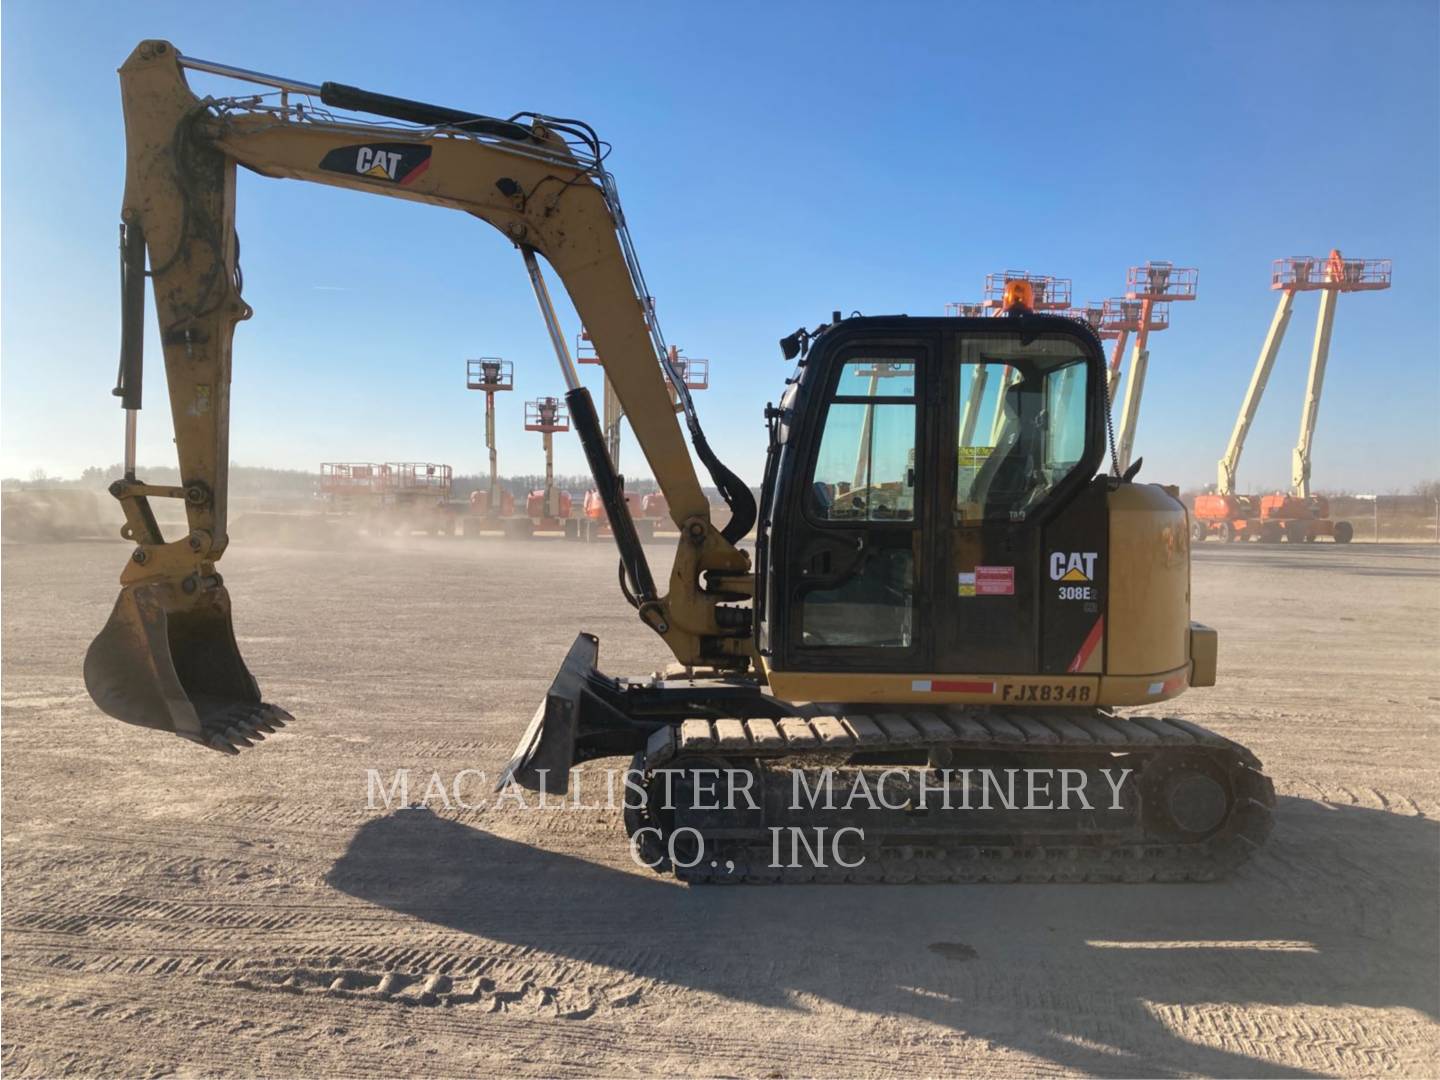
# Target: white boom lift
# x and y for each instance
(1154, 283)
(1300, 273)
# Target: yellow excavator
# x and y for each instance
(927, 613)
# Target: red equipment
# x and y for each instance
(1300, 515)
(549, 513)
(1267, 518)
(595, 524)
(399, 496)
(547, 415)
(693, 372)
(480, 503)
(1227, 517)
(1119, 318)
(585, 349)
(1301, 519)
(548, 508)
(1092, 314)
(343, 481)
(1047, 293)
(491, 375)
(418, 497)
(1154, 285)
(408, 480)
(595, 508)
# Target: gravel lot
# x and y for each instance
(170, 911)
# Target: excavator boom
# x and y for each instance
(168, 658)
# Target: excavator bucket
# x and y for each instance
(167, 659)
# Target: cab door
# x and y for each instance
(856, 574)
(1022, 415)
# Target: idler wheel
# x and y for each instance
(1187, 796)
(1195, 802)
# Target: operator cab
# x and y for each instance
(920, 471)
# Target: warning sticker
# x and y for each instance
(994, 581)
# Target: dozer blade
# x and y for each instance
(167, 659)
(547, 749)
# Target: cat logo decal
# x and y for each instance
(1075, 571)
(393, 163)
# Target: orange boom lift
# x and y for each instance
(548, 508)
(491, 376)
(1298, 516)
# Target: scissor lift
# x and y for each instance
(417, 498)
(350, 486)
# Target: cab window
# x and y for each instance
(865, 469)
(865, 475)
(1022, 424)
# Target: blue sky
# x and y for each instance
(776, 161)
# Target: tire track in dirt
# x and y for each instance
(320, 1032)
(165, 913)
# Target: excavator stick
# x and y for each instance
(167, 659)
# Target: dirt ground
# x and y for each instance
(170, 911)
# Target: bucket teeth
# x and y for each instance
(241, 724)
(275, 716)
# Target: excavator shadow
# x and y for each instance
(1339, 910)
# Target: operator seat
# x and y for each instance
(1004, 482)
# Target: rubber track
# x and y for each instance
(1055, 731)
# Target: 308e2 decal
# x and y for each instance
(1075, 571)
